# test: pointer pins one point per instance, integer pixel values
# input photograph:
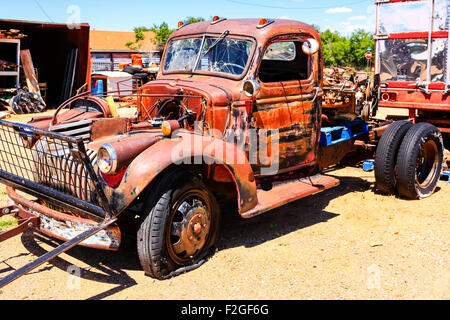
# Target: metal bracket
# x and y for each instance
(420, 85)
(380, 36)
(25, 221)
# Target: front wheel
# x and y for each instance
(181, 227)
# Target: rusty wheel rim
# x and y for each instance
(427, 162)
(188, 226)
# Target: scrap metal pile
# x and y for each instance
(345, 91)
(26, 98)
(11, 34)
(7, 66)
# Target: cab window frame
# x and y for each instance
(309, 63)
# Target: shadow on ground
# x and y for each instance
(103, 266)
(291, 217)
(110, 267)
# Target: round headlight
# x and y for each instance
(251, 88)
(107, 159)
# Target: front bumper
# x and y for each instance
(64, 226)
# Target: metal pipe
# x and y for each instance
(448, 48)
(197, 61)
(430, 46)
(52, 254)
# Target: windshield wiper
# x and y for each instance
(200, 55)
(218, 40)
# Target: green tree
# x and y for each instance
(345, 51)
(335, 48)
(193, 19)
(140, 36)
(360, 40)
(162, 33)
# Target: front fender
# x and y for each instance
(185, 148)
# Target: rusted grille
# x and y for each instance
(37, 158)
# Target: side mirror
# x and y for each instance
(310, 46)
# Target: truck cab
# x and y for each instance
(255, 78)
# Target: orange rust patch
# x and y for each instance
(273, 119)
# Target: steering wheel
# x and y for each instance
(226, 64)
(87, 103)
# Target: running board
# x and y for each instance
(283, 192)
(57, 251)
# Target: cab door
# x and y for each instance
(287, 108)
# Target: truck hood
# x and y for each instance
(217, 91)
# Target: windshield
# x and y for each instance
(418, 13)
(218, 54)
(408, 58)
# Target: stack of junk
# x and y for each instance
(20, 90)
(346, 92)
(123, 85)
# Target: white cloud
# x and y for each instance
(346, 28)
(358, 18)
(353, 23)
(284, 17)
(339, 10)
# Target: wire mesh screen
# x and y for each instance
(48, 159)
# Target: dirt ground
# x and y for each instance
(350, 242)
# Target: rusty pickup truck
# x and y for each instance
(233, 117)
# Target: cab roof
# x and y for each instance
(248, 27)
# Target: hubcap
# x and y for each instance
(190, 224)
(426, 167)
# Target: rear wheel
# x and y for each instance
(181, 227)
(386, 155)
(419, 161)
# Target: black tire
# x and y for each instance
(419, 161)
(167, 229)
(386, 156)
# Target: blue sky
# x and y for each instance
(121, 15)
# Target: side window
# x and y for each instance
(281, 51)
(284, 61)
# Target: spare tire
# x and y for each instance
(386, 155)
(419, 161)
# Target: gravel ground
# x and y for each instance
(349, 242)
